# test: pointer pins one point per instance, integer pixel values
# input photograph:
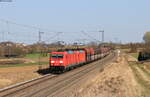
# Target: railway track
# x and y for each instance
(50, 85)
(5, 92)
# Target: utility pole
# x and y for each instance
(9, 41)
(40, 36)
(103, 35)
(40, 67)
(58, 34)
(58, 40)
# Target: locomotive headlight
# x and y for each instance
(52, 61)
(60, 61)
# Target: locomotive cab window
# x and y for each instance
(57, 56)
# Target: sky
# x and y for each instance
(121, 20)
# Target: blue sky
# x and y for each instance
(124, 20)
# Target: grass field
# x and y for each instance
(24, 64)
(125, 50)
(34, 55)
(135, 55)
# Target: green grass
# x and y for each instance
(34, 55)
(135, 55)
(24, 64)
(125, 50)
(30, 56)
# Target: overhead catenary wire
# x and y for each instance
(37, 31)
(53, 37)
(84, 33)
(24, 25)
(8, 23)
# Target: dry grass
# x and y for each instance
(116, 80)
(9, 76)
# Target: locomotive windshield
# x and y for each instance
(57, 55)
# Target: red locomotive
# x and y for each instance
(68, 59)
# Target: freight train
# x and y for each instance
(68, 59)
